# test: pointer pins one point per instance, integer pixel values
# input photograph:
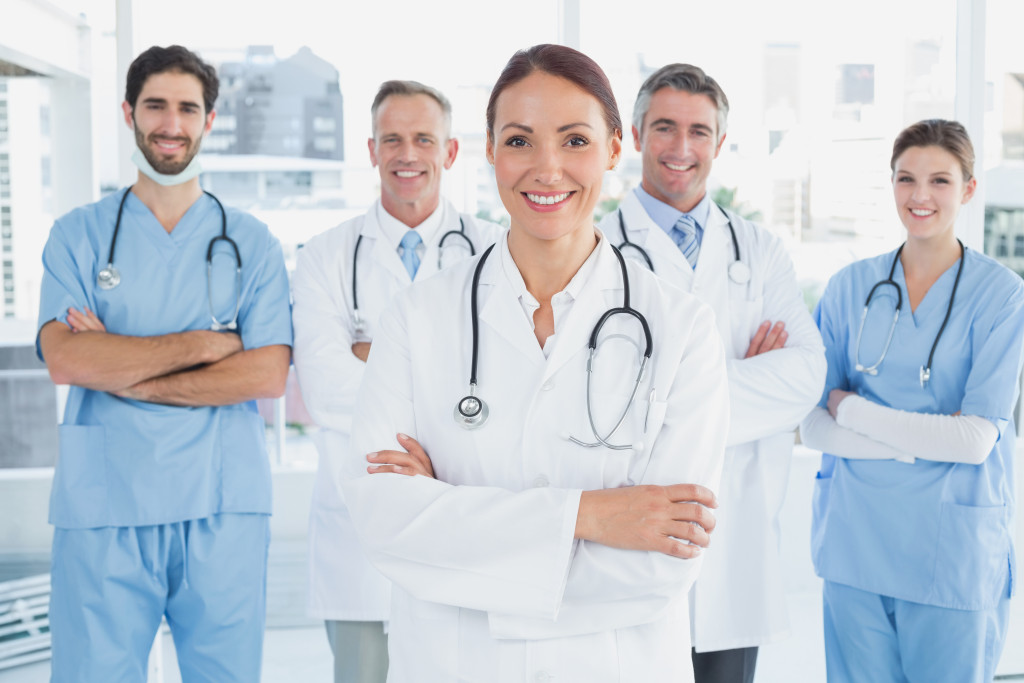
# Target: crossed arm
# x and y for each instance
(193, 368)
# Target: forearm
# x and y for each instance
(772, 392)
(943, 438)
(244, 376)
(111, 362)
(820, 432)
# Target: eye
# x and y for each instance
(426, 141)
(904, 179)
(663, 129)
(700, 133)
(516, 141)
(577, 141)
(942, 181)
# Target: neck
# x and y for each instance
(926, 258)
(547, 266)
(168, 204)
(685, 204)
(413, 213)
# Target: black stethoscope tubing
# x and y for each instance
(926, 370)
(737, 276)
(461, 232)
(471, 411)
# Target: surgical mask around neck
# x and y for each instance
(188, 173)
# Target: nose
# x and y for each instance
(921, 192)
(407, 152)
(549, 167)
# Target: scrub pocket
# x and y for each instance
(819, 516)
(245, 466)
(973, 557)
(79, 498)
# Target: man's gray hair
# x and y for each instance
(389, 88)
(686, 78)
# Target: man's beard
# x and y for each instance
(165, 166)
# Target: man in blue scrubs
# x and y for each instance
(161, 496)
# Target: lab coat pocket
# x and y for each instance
(638, 430)
(244, 462)
(79, 497)
(973, 556)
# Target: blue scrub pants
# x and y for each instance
(870, 637)
(112, 585)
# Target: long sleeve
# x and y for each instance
(821, 432)
(772, 392)
(512, 553)
(943, 438)
(329, 373)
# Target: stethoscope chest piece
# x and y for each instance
(471, 412)
(108, 277)
(739, 272)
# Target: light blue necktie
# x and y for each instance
(684, 234)
(410, 259)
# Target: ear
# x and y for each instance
(489, 150)
(451, 151)
(209, 122)
(721, 142)
(372, 145)
(615, 146)
(636, 139)
(128, 109)
(969, 189)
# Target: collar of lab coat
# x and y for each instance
(664, 252)
(594, 293)
(394, 230)
(385, 253)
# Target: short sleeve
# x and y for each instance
(266, 317)
(828, 315)
(64, 284)
(998, 352)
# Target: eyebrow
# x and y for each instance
(161, 100)
(561, 129)
(672, 122)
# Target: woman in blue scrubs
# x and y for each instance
(914, 502)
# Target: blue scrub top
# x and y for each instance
(130, 463)
(933, 533)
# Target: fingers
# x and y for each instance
(759, 336)
(85, 320)
(399, 462)
(692, 493)
(416, 451)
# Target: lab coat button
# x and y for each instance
(542, 677)
(540, 482)
(548, 386)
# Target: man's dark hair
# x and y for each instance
(158, 60)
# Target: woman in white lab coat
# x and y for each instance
(515, 552)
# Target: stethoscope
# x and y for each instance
(471, 411)
(358, 324)
(926, 370)
(739, 272)
(109, 277)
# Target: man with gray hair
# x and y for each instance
(344, 278)
(776, 360)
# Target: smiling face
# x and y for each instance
(550, 147)
(929, 188)
(679, 141)
(169, 120)
(410, 148)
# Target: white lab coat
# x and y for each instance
(739, 600)
(489, 583)
(342, 584)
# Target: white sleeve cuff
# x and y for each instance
(964, 439)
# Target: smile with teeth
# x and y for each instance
(408, 174)
(923, 213)
(169, 144)
(678, 167)
(547, 199)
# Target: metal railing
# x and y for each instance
(24, 621)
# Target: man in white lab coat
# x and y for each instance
(776, 362)
(343, 280)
